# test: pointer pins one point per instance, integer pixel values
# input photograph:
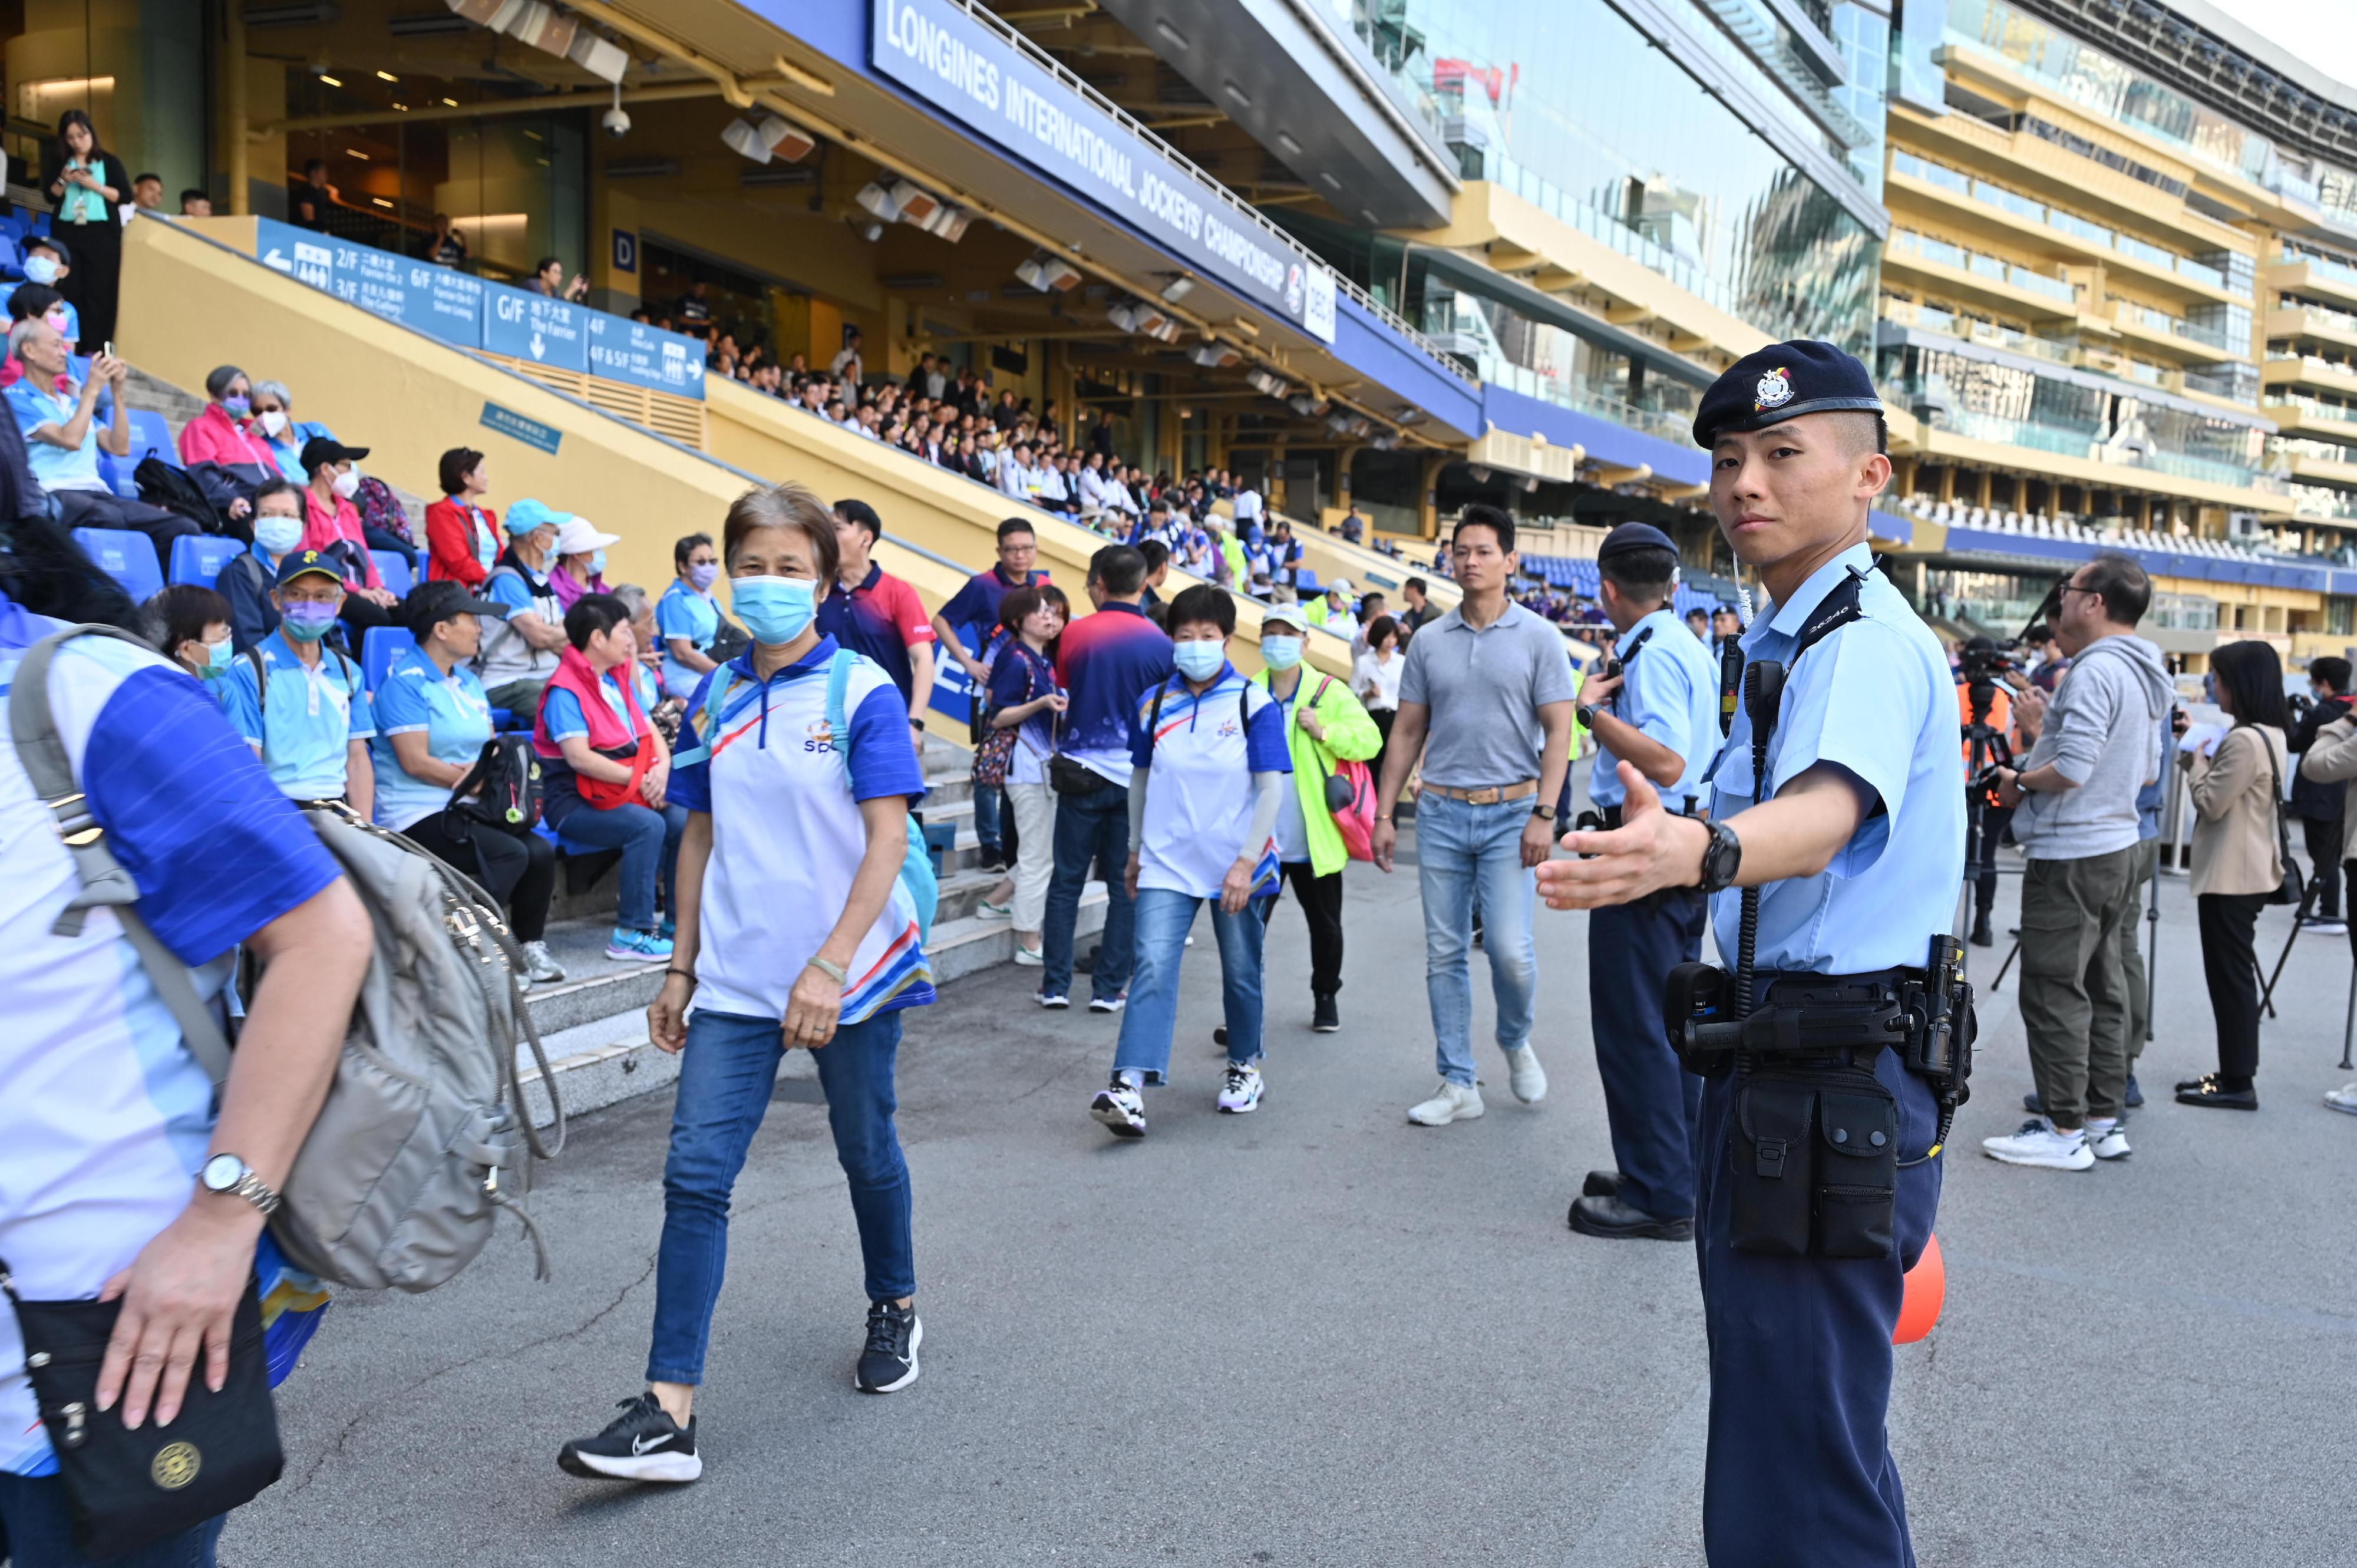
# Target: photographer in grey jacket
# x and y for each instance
(2098, 745)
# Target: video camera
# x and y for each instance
(1980, 664)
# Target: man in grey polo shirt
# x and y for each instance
(1486, 700)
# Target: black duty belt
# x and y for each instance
(1608, 817)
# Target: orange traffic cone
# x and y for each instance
(1927, 1287)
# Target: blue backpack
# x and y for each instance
(917, 875)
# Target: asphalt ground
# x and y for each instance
(1317, 1335)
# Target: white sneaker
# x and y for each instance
(1455, 1102)
(2325, 926)
(1121, 1109)
(2037, 1143)
(1028, 958)
(1241, 1091)
(2108, 1140)
(1108, 1004)
(1528, 1078)
(2343, 1098)
(538, 966)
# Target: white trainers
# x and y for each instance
(2108, 1140)
(2343, 1098)
(1242, 1092)
(538, 966)
(1122, 1110)
(2037, 1143)
(1455, 1102)
(1528, 1078)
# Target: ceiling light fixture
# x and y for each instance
(386, 76)
(331, 81)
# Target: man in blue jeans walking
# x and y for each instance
(1106, 662)
(1486, 700)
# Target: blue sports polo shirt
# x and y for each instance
(1106, 663)
(303, 719)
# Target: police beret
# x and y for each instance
(1630, 536)
(1783, 382)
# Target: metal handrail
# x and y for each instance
(1236, 205)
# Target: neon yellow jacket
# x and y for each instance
(1351, 737)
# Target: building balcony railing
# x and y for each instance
(2307, 410)
(2337, 270)
(2317, 370)
(1940, 253)
(2316, 501)
(1948, 324)
(2129, 312)
(1553, 199)
(2035, 211)
(2088, 447)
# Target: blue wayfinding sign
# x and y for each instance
(644, 356)
(527, 326)
(468, 312)
(530, 432)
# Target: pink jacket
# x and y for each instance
(322, 527)
(215, 437)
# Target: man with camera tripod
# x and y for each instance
(2097, 745)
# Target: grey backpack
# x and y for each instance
(401, 1180)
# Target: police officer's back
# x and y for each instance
(1834, 1060)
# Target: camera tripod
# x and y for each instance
(1986, 749)
(2267, 993)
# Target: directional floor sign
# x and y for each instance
(528, 325)
(438, 300)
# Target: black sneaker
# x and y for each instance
(643, 1444)
(889, 1364)
(1325, 1019)
(2135, 1096)
(1982, 936)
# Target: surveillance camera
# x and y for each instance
(617, 121)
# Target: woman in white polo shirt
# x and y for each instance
(794, 931)
(1207, 756)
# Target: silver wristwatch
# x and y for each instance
(229, 1173)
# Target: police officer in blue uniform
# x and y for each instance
(1837, 1048)
(1654, 706)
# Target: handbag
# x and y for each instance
(126, 1489)
(995, 755)
(2293, 888)
(1349, 795)
(500, 791)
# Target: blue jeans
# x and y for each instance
(726, 1074)
(37, 1532)
(1092, 828)
(989, 799)
(1470, 857)
(648, 840)
(1163, 917)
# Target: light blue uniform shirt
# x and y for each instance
(59, 467)
(450, 711)
(1876, 699)
(1670, 695)
(690, 616)
(308, 720)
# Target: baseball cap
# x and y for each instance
(322, 449)
(300, 562)
(1293, 616)
(528, 514)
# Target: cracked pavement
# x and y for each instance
(1316, 1335)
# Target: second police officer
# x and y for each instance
(1837, 1053)
(1656, 707)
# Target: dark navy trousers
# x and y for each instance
(1799, 1472)
(1651, 1105)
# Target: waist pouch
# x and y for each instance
(127, 1490)
(1067, 777)
(1813, 1164)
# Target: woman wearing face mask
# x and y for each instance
(85, 184)
(223, 432)
(31, 300)
(794, 931)
(274, 422)
(247, 580)
(196, 632)
(1208, 758)
(1325, 724)
(580, 560)
(462, 536)
(687, 618)
(1025, 702)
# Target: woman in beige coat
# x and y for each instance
(2237, 790)
(2333, 760)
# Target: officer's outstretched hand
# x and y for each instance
(1649, 849)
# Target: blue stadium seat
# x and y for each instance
(127, 557)
(40, 222)
(392, 566)
(379, 644)
(150, 432)
(116, 473)
(200, 557)
(11, 260)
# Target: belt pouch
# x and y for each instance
(1770, 1194)
(1857, 1170)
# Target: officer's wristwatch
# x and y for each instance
(1721, 858)
(1542, 813)
(230, 1175)
(1586, 715)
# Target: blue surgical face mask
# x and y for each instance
(1279, 652)
(278, 534)
(217, 656)
(703, 574)
(41, 269)
(239, 406)
(1197, 661)
(775, 610)
(597, 562)
(306, 620)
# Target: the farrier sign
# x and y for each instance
(937, 51)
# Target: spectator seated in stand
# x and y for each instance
(247, 580)
(580, 566)
(191, 623)
(63, 424)
(31, 302)
(521, 653)
(224, 431)
(303, 706)
(274, 422)
(432, 723)
(462, 536)
(604, 769)
(331, 527)
(47, 261)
